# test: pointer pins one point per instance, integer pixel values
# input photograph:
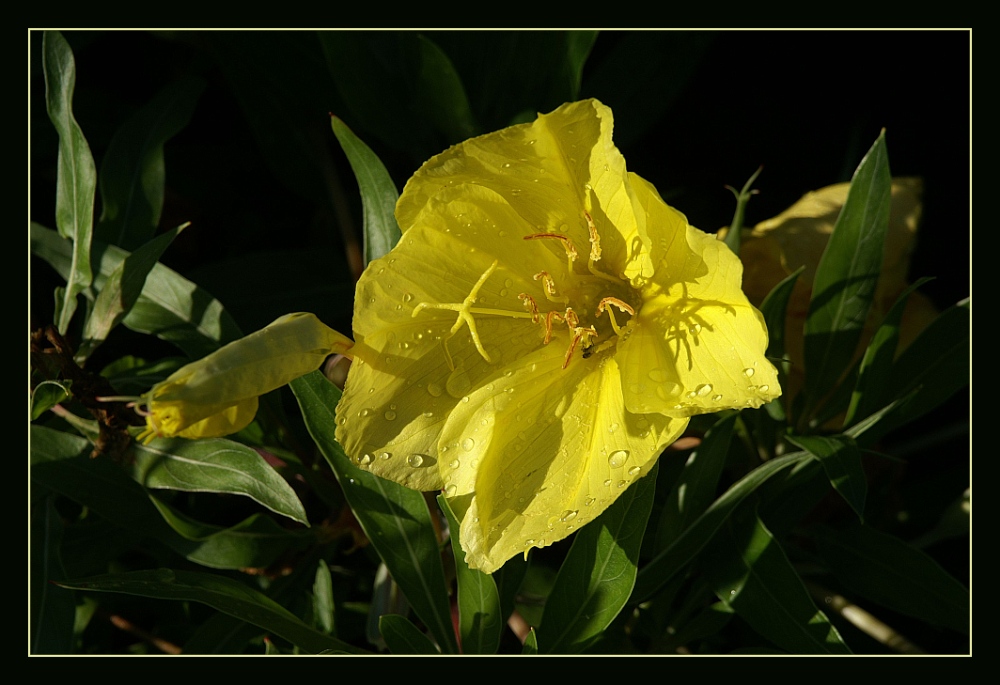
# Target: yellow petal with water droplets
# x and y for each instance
(543, 451)
(697, 345)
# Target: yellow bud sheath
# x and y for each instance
(217, 395)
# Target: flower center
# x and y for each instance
(583, 288)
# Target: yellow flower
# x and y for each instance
(217, 395)
(542, 331)
(798, 236)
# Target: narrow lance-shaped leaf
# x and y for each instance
(216, 465)
(122, 290)
(402, 637)
(378, 193)
(480, 621)
(678, 555)
(598, 575)
(440, 95)
(133, 175)
(871, 390)
(847, 274)
(171, 307)
(221, 593)
(76, 180)
(753, 576)
(774, 308)
(841, 461)
(395, 518)
(888, 571)
(323, 604)
(697, 483)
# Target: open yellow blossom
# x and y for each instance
(544, 328)
(217, 395)
(775, 248)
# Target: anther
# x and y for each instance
(571, 253)
(550, 287)
(530, 305)
(624, 306)
(595, 249)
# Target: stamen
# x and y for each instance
(531, 305)
(624, 306)
(595, 250)
(549, 318)
(580, 334)
(550, 287)
(571, 253)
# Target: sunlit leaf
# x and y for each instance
(216, 465)
(847, 274)
(395, 519)
(76, 182)
(753, 576)
(46, 395)
(598, 575)
(841, 461)
(221, 593)
(402, 637)
(480, 621)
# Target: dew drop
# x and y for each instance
(390, 415)
(465, 399)
(696, 329)
(468, 444)
(529, 542)
(428, 415)
(613, 427)
(384, 456)
(415, 460)
(622, 483)
(748, 372)
(657, 375)
(587, 502)
(607, 483)
(458, 382)
(717, 398)
(634, 471)
(763, 388)
(364, 412)
(501, 234)
(617, 458)
(434, 389)
(451, 490)
(407, 297)
(454, 464)
(703, 389)
(365, 459)
(568, 515)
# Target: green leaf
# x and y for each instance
(132, 174)
(847, 274)
(841, 461)
(402, 637)
(598, 575)
(480, 620)
(578, 46)
(774, 308)
(696, 487)
(933, 368)
(708, 622)
(886, 570)
(871, 389)
(76, 181)
(46, 395)
(323, 604)
(440, 96)
(53, 609)
(255, 542)
(530, 642)
(753, 576)
(215, 465)
(395, 518)
(378, 193)
(678, 555)
(221, 593)
(171, 307)
(121, 290)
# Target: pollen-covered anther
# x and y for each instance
(530, 305)
(595, 249)
(571, 253)
(605, 303)
(580, 333)
(549, 285)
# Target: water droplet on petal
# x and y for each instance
(365, 459)
(607, 483)
(613, 427)
(407, 297)
(716, 397)
(454, 463)
(617, 458)
(415, 460)
(434, 389)
(703, 389)
(634, 471)
(622, 483)
(657, 375)
(587, 502)
(748, 372)
(364, 412)
(568, 515)
(390, 415)
(451, 490)
(468, 444)
(763, 388)
(384, 456)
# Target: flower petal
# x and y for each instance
(543, 450)
(228, 421)
(697, 345)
